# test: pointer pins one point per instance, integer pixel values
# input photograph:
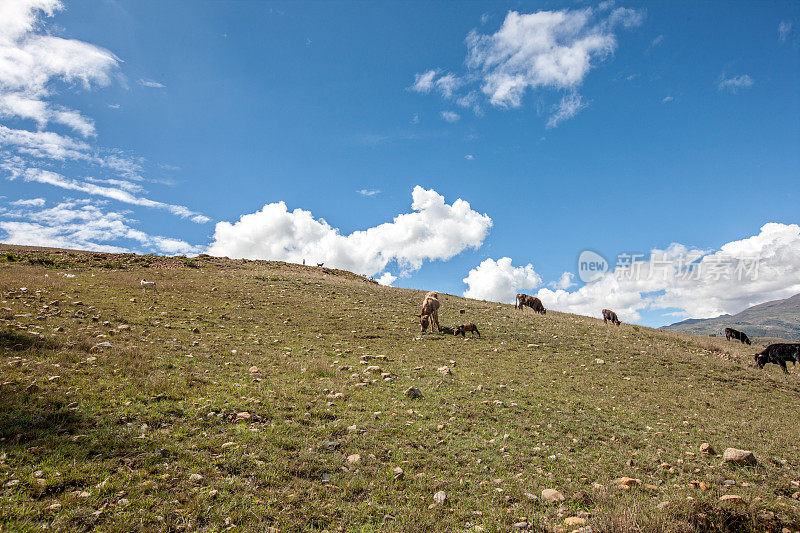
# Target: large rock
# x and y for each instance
(552, 496)
(707, 448)
(440, 497)
(738, 457)
(413, 392)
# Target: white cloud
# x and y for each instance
(658, 40)
(433, 231)
(79, 224)
(785, 30)
(734, 83)
(568, 107)
(424, 82)
(705, 290)
(451, 116)
(552, 50)
(500, 281)
(667, 99)
(36, 68)
(150, 83)
(415, 118)
(698, 283)
(368, 192)
(115, 193)
(31, 63)
(386, 279)
(32, 202)
(469, 157)
(564, 282)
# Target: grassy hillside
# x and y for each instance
(779, 318)
(264, 396)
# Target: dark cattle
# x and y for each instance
(738, 335)
(533, 302)
(779, 354)
(462, 330)
(610, 316)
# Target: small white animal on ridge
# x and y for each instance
(148, 285)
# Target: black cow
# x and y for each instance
(610, 316)
(779, 354)
(737, 335)
(533, 302)
(462, 329)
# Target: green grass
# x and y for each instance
(108, 437)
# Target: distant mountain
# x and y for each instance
(779, 318)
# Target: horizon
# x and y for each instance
(594, 154)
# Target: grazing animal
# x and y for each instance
(320, 264)
(609, 315)
(424, 321)
(463, 328)
(779, 354)
(737, 335)
(148, 285)
(531, 301)
(447, 331)
(430, 307)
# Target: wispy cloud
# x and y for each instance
(658, 40)
(115, 193)
(36, 69)
(451, 116)
(33, 64)
(787, 32)
(368, 192)
(469, 157)
(667, 99)
(150, 83)
(734, 83)
(568, 107)
(545, 50)
(84, 225)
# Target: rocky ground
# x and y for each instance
(256, 395)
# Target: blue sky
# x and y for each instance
(682, 127)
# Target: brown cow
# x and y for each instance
(462, 330)
(430, 307)
(610, 316)
(424, 321)
(530, 301)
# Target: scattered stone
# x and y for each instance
(738, 457)
(531, 497)
(195, 478)
(575, 521)
(520, 525)
(124, 502)
(734, 498)
(228, 445)
(398, 472)
(552, 496)
(626, 483)
(413, 392)
(444, 370)
(375, 369)
(331, 444)
(244, 415)
(213, 493)
(253, 369)
(440, 497)
(599, 361)
(707, 448)
(662, 505)
(354, 459)
(729, 482)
